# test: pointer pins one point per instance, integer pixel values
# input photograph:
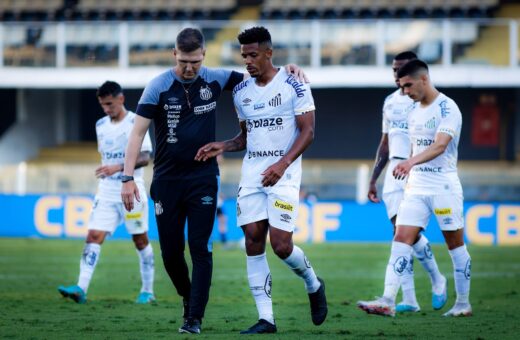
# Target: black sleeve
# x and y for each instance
(234, 79)
(146, 110)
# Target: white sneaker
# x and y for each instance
(460, 309)
(380, 306)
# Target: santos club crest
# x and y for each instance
(205, 93)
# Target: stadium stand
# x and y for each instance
(369, 9)
(93, 34)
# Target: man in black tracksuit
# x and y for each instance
(182, 104)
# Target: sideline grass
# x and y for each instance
(31, 307)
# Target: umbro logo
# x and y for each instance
(207, 200)
(246, 102)
(276, 100)
(285, 218)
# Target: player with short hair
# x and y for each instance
(276, 114)
(182, 104)
(433, 187)
(112, 133)
(393, 148)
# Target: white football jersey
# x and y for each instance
(439, 175)
(112, 140)
(395, 124)
(270, 114)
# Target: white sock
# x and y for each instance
(301, 266)
(398, 263)
(87, 264)
(408, 285)
(146, 264)
(260, 284)
(422, 251)
(461, 272)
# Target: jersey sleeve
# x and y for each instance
(451, 118)
(301, 97)
(148, 104)
(236, 103)
(226, 79)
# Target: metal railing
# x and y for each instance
(314, 43)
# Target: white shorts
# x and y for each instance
(415, 210)
(107, 216)
(392, 201)
(278, 204)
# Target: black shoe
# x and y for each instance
(262, 326)
(318, 304)
(191, 326)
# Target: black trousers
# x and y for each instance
(194, 201)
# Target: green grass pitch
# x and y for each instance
(31, 307)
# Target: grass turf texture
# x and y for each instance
(32, 308)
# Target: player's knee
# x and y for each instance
(140, 241)
(254, 247)
(282, 249)
(95, 237)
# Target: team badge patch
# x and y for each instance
(428, 251)
(467, 270)
(268, 285)
(205, 93)
(158, 208)
(400, 265)
(89, 258)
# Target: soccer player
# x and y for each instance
(108, 212)
(182, 104)
(433, 188)
(395, 147)
(276, 114)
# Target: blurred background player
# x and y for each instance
(433, 188)
(395, 147)
(277, 125)
(182, 102)
(112, 133)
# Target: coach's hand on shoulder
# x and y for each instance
(128, 192)
(297, 72)
(372, 193)
(209, 150)
(273, 173)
